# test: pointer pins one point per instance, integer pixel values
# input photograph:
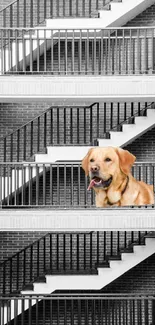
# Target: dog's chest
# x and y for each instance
(104, 198)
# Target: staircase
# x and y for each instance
(107, 271)
(130, 132)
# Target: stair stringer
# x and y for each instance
(87, 282)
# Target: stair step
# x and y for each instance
(150, 235)
(114, 257)
(41, 279)
(72, 272)
(126, 250)
(28, 287)
(104, 264)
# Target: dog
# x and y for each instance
(110, 177)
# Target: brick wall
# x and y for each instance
(146, 18)
(13, 242)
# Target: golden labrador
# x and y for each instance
(110, 177)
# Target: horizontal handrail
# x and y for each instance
(90, 28)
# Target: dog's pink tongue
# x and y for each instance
(91, 184)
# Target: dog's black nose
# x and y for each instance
(95, 169)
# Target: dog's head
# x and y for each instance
(104, 165)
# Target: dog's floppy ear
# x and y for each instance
(126, 160)
(85, 162)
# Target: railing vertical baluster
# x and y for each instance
(44, 184)
(84, 121)
(58, 312)
(116, 51)
(64, 252)
(125, 239)
(58, 185)
(31, 52)
(83, 8)
(52, 50)
(29, 184)
(71, 125)
(71, 250)
(105, 111)
(17, 272)
(37, 184)
(51, 255)
(118, 242)
(51, 126)
(101, 53)
(38, 258)
(91, 256)
(73, 53)
(57, 251)
(8, 176)
(44, 247)
(80, 52)
(2, 52)
(37, 312)
(51, 8)
(123, 52)
(91, 125)
(86, 312)
(145, 52)
(98, 247)
(77, 8)
(138, 52)
(4, 278)
(11, 147)
(77, 251)
(30, 311)
(38, 134)
(72, 186)
(79, 312)
(23, 49)
(38, 11)
(57, 9)
(24, 267)
(111, 116)
(45, 51)
(125, 110)
(22, 312)
(59, 51)
(78, 123)
(45, 130)
(87, 52)
(111, 243)
(104, 246)
(132, 109)
(64, 11)
(65, 128)
(45, 10)
(15, 185)
(51, 184)
(31, 141)
(65, 189)
(90, 8)
(31, 262)
(4, 18)
(58, 120)
(44, 322)
(31, 13)
(98, 120)
(118, 113)
(109, 51)
(152, 51)
(38, 52)
(24, 149)
(84, 247)
(11, 275)
(17, 14)
(24, 13)
(146, 315)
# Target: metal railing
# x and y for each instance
(30, 13)
(118, 51)
(137, 309)
(54, 184)
(64, 253)
(70, 125)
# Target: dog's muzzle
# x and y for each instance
(98, 182)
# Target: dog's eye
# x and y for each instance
(91, 160)
(107, 159)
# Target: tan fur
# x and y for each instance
(136, 193)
